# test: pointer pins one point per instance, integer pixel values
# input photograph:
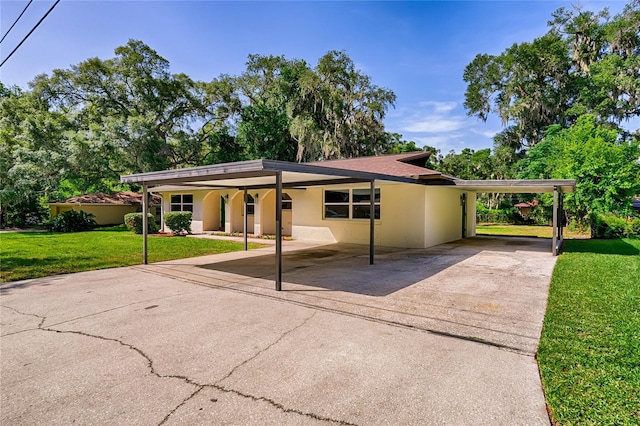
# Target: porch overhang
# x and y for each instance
(256, 173)
(517, 186)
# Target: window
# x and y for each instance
(182, 203)
(361, 206)
(350, 204)
(251, 205)
(336, 204)
(286, 201)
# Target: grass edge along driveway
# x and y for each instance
(25, 255)
(589, 352)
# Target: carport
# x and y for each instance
(559, 187)
(271, 174)
(260, 174)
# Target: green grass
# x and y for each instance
(37, 254)
(524, 231)
(589, 353)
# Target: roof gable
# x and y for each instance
(405, 165)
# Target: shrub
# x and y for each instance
(611, 226)
(73, 221)
(633, 228)
(133, 221)
(179, 222)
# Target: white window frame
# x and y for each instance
(180, 204)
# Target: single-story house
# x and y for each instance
(108, 209)
(525, 207)
(388, 200)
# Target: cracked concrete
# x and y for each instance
(137, 345)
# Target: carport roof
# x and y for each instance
(260, 173)
(255, 174)
(520, 186)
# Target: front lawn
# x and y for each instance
(37, 254)
(524, 230)
(589, 353)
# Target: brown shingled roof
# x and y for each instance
(118, 198)
(395, 164)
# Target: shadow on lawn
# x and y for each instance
(617, 246)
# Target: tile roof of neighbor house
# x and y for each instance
(405, 165)
(118, 198)
(527, 204)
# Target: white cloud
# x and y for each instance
(434, 124)
(440, 107)
(486, 133)
(434, 117)
(432, 140)
(440, 124)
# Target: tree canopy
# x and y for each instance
(587, 63)
(562, 99)
(78, 129)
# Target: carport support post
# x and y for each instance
(554, 248)
(278, 231)
(372, 217)
(246, 220)
(145, 223)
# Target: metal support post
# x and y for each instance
(246, 220)
(278, 231)
(372, 217)
(554, 242)
(145, 224)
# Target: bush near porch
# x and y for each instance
(133, 221)
(179, 222)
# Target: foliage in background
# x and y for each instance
(606, 166)
(179, 222)
(73, 221)
(133, 222)
(587, 63)
(77, 130)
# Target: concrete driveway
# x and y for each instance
(445, 335)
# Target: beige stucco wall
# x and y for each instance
(412, 216)
(401, 221)
(265, 217)
(443, 214)
(211, 211)
(471, 214)
(104, 214)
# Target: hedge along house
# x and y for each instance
(332, 201)
(107, 209)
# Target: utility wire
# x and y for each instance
(32, 30)
(16, 21)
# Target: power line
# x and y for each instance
(16, 21)
(32, 30)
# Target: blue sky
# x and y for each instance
(417, 49)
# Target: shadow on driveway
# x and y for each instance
(345, 267)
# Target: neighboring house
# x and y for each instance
(525, 207)
(108, 209)
(414, 207)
